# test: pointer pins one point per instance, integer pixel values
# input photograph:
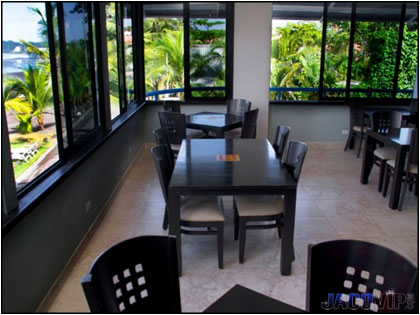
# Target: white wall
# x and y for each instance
(251, 67)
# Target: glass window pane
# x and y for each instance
(164, 51)
(296, 51)
(207, 49)
(336, 49)
(27, 90)
(128, 52)
(409, 51)
(375, 49)
(80, 67)
(111, 22)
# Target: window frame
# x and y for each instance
(345, 100)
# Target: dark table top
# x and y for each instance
(218, 120)
(243, 300)
(397, 136)
(198, 166)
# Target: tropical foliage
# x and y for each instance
(296, 49)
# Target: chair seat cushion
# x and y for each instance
(385, 153)
(201, 209)
(414, 169)
(195, 134)
(175, 147)
(233, 134)
(359, 129)
(249, 206)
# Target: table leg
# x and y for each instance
(174, 227)
(287, 248)
(367, 159)
(220, 134)
(397, 181)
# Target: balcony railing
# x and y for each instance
(367, 92)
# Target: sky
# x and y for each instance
(20, 23)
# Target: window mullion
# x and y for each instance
(398, 56)
(322, 62)
(187, 85)
(351, 44)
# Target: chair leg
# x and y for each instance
(220, 234)
(387, 175)
(165, 219)
(360, 145)
(349, 138)
(381, 174)
(236, 219)
(279, 227)
(242, 236)
(404, 190)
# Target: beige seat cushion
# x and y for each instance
(233, 134)
(358, 128)
(195, 134)
(258, 205)
(414, 169)
(385, 153)
(202, 209)
(175, 147)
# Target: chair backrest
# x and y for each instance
(162, 138)
(163, 168)
(346, 269)
(295, 156)
(175, 123)
(413, 155)
(381, 120)
(280, 140)
(238, 107)
(171, 106)
(139, 275)
(249, 124)
(356, 114)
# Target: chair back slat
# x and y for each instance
(162, 138)
(382, 120)
(172, 106)
(163, 167)
(280, 140)
(175, 123)
(356, 114)
(295, 157)
(238, 107)
(139, 275)
(345, 269)
(249, 124)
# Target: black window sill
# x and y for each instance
(61, 171)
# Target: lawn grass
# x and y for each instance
(21, 166)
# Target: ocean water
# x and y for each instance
(16, 62)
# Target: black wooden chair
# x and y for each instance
(139, 275)
(236, 107)
(172, 106)
(411, 169)
(162, 138)
(249, 124)
(356, 276)
(380, 121)
(252, 208)
(280, 140)
(357, 128)
(197, 212)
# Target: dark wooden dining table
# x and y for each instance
(241, 300)
(199, 170)
(215, 122)
(398, 138)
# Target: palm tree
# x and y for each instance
(35, 90)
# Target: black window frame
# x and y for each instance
(345, 100)
(188, 98)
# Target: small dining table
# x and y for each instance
(241, 300)
(215, 122)
(232, 167)
(398, 138)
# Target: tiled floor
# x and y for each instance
(332, 204)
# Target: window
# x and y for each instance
(128, 52)
(27, 91)
(193, 67)
(341, 50)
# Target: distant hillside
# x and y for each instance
(9, 46)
